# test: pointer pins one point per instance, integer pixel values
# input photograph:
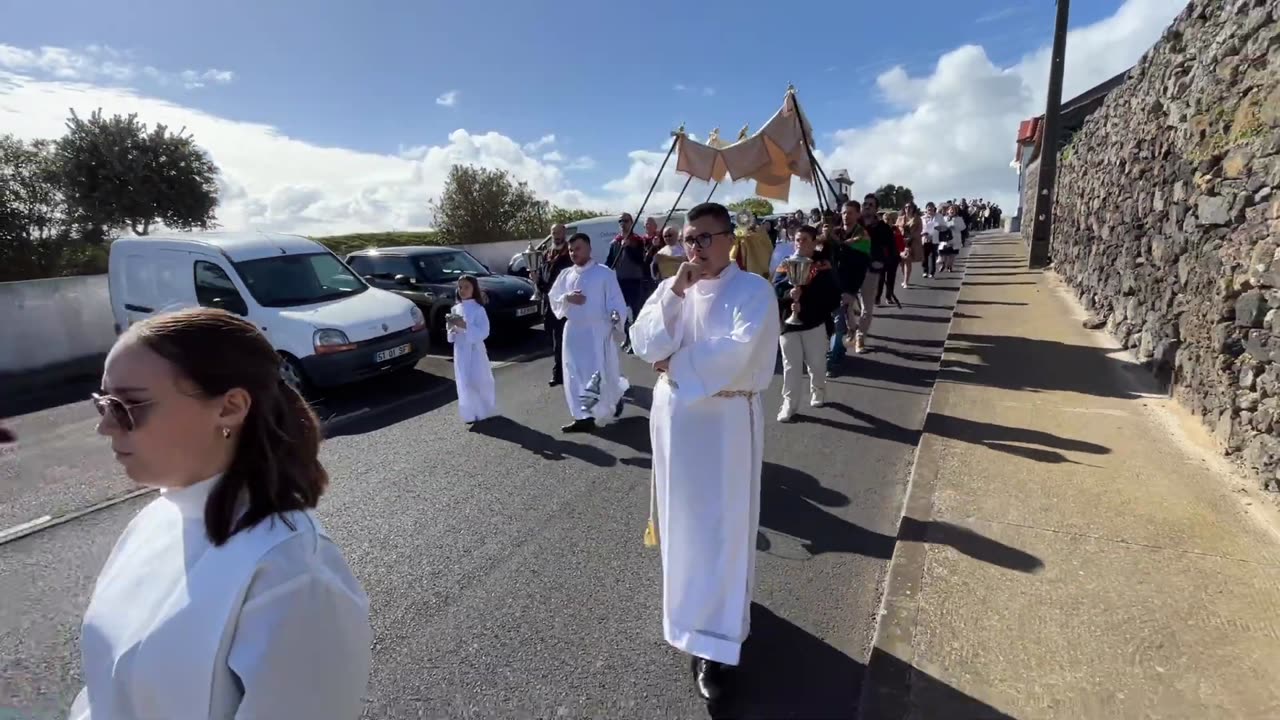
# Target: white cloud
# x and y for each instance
(545, 141)
(584, 162)
(100, 63)
(1001, 14)
(708, 91)
(679, 88)
(551, 157)
(682, 88)
(448, 99)
(955, 133)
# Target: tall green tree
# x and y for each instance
(482, 205)
(119, 175)
(894, 196)
(756, 206)
(565, 216)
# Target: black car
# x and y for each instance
(429, 277)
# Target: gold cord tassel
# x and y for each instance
(651, 529)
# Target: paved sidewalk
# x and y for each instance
(1069, 548)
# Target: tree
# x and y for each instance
(756, 206)
(116, 174)
(894, 196)
(565, 216)
(482, 205)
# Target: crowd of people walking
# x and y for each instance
(225, 597)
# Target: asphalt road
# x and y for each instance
(505, 565)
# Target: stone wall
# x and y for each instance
(1167, 219)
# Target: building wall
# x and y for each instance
(1167, 218)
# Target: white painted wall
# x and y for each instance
(54, 321)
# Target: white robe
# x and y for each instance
(589, 342)
(471, 369)
(708, 450)
(271, 624)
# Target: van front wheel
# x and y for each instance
(292, 375)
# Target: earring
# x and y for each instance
(226, 433)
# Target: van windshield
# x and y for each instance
(292, 280)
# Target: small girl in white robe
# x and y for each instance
(468, 327)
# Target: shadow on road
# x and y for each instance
(1011, 440)
(990, 302)
(968, 542)
(1000, 361)
(541, 444)
(377, 403)
(788, 672)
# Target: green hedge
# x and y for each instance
(343, 244)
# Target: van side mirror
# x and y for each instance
(404, 280)
(230, 304)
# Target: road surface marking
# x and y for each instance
(18, 532)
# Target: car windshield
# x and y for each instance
(292, 280)
(447, 267)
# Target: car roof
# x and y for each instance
(406, 250)
(238, 246)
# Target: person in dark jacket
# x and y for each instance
(554, 261)
(805, 344)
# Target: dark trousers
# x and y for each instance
(930, 258)
(635, 293)
(555, 328)
(888, 280)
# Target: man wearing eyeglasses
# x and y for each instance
(711, 332)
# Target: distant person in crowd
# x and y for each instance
(887, 287)
(804, 346)
(629, 259)
(554, 261)
(587, 296)
(912, 229)
(468, 328)
(652, 239)
(964, 212)
(799, 217)
(670, 256)
(882, 250)
(771, 229)
(932, 227)
(785, 245)
(815, 216)
(224, 597)
(851, 263)
(711, 332)
(949, 250)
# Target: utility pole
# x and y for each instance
(1042, 223)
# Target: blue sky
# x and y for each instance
(370, 78)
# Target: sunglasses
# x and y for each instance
(121, 413)
(703, 240)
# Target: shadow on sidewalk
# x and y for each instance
(1002, 438)
(540, 443)
(1016, 363)
(793, 503)
(788, 672)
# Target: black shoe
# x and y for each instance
(555, 382)
(580, 426)
(708, 677)
(617, 411)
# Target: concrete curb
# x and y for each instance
(886, 683)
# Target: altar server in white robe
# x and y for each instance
(224, 598)
(712, 333)
(468, 326)
(587, 297)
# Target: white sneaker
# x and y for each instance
(817, 403)
(786, 415)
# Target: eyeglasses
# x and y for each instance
(122, 413)
(703, 240)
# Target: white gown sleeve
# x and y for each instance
(659, 330)
(478, 324)
(704, 368)
(302, 643)
(453, 334)
(559, 289)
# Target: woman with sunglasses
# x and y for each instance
(224, 597)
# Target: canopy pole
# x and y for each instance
(713, 192)
(675, 140)
(804, 134)
(675, 204)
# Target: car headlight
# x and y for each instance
(415, 314)
(329, 340)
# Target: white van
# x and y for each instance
(329, 326)
(602, 230)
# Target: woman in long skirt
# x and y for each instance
(468, 326)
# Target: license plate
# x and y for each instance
(526, 311)
(393, 353)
